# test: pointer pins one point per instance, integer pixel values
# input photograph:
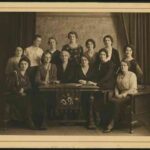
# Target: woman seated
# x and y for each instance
(126, 84)
(113, 54)
(46, 74)
(90, 53)
(12, 63)
(19, 86)
(65, 70)
(52, 43)
(134, 67)
(75, 50)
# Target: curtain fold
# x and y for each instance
(137, 27)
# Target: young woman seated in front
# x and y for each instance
(126, 84)
(19, 85)
(46, 75)
(65, 70)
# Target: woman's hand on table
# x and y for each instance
(56, 82)
(82, 81)
(91, 83)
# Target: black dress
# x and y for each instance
(114, 58)
(55, 57)
(106, 75)
(76, 53)
(67, 75)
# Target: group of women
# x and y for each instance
(33, 67)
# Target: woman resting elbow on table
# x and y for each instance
(46, 74)
(126, 84)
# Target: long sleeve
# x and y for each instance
(54, 75)
(38, 77)
(9, 67)
(139, 73)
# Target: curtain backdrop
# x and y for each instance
(17, 29)
(137, 30)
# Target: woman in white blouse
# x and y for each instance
(126, 84)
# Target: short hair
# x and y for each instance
(43, 55)
(50, 38)
(127, 62)
(129, 45)
(36, 36)
(20, 48)
(103, 50)
(85, 57)
(24, 58)
(90, 40)
(108, 36)
(64, 51)
(72, 32)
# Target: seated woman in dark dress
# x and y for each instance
(65, 70)
(46, 74)
(19, 85)
(75, 50)
(90, 53)
(113, 54)
(134, 67)
(52, 43)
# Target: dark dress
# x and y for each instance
(114, 58)
(67, 76)
(55, 57)
(106, 75)
(134, 67)
(76, 53)
(89, 76)
(21, 102)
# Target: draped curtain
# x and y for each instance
(137, 30)
(17, 29)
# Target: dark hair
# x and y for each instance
(85, 57)
(43, 55)
(21, 48)
(72, 32)
(103, 50)
(51, 38)
(36, 36)
(129, 45)
(127, 62)
(108, 36)
(24, 58)
(90, 40)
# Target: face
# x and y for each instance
(108, 42)
(47, 58)
(128, 51)
(19, 51)
(72, 38)
(102, 56)
(124, 67)
(90, 45)
(84, 61)
(37, 42)
(24, 65)
(64, 56)
(52, 43)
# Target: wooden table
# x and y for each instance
(80, 88)
(142, 95)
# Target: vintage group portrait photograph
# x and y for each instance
(74, 73)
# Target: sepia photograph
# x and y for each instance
(74, 73)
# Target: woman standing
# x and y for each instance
(75, 50)
(19, 86)
(12, 63)
(126, 84)
(113, 54)
(90, 53)
(52, 43)
(46, 74)
(134, 67)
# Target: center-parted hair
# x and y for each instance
(108, 36)
(103, 50)
(24, 58)
(43, 55)
(72, 32)
(51, 38)
(90, 40)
